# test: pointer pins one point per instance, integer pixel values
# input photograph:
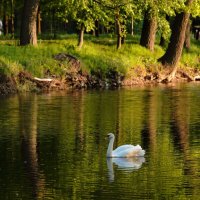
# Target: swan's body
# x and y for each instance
(123, 151)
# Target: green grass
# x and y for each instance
(32, 59)
(8, 67)
(97, 55)
(191, 58)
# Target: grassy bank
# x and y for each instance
(98, 54)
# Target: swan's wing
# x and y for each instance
(122, 148)
(128, 151)
(139, 150)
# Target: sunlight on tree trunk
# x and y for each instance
(119, 32)
(187, 36)
(132, 23)
(175, 47)
(173, 53)
(39, 22)
(81, 35)
(148, 32)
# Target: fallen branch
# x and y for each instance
(43, 79)
(197, 78)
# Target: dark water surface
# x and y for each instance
(53, 146)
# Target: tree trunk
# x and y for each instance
(196, 28)
(81, 35)
(119, 32)
(197, 34)
(54, 23)
(12, 28)
(119, 39)
(28, 34)
(132, 23)
(123, 40)
(187, 36)
(148, 32)
(5, 24)
(96, 32)
(175, 47)
(5, 18)
(39, 22)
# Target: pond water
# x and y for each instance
(53, 146)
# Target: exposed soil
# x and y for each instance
(7, 85)
(75, 78)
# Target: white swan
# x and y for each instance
(123, 151)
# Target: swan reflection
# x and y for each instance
(124, 164)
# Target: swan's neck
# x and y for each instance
(110, 147)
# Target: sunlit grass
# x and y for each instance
(8, 67)
(191, 57)
(98, 54)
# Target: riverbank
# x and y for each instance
(60, 65)
(26, 82)
(75, 79)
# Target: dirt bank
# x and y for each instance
(7, 85)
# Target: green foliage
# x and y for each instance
(195, 8)
(164, 28)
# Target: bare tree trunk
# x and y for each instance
(132, 22)
(54, 23)
(5, 18)
(12, 20)
(39, 22)
(12, 27)
(5, 24)
(119, 39)
(173, 53)
(148, 32)
(119, 32)
(81, 36)
(187, 36)
(96, 32)
(123, 40)
(197, 34)
(28, 34)
(175, 47)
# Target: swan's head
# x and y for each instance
(110, 136)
